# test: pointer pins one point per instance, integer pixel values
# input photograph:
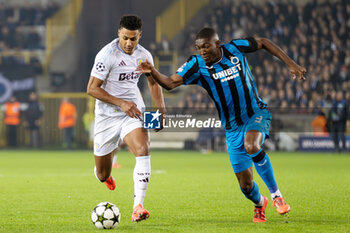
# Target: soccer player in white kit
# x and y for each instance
(113, 82)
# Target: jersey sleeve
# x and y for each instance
(246, 45)
(189, 71)
(101, 66)
(149, 57)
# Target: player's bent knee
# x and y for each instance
(251, 148)
(246, 185)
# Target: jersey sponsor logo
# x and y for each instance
(100, 67)
(128, 76)
(122, 63)
(230, 73)
(234, 60)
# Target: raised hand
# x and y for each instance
(144, 67)
(297, 71)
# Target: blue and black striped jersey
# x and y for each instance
(229, 82)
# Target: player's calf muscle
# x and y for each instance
(246, 185)
(103, 175)
(103, 172)
(103, 166)
(245, 179)
(141, 150)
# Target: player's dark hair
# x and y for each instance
(206, 33)
(130, 22)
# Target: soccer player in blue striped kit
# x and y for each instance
(222, 70)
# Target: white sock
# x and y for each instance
(261, 202)
(142, 173)
(115, 159)
(276, 194)
(95, 171)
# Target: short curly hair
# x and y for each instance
(206, 33)
(130, 22)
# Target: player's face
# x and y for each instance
(128, 39)
(209, 49)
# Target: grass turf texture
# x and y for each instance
(47, 191)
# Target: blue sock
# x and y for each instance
(253, 194)
(264, 168)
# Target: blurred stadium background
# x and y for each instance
(48, 47)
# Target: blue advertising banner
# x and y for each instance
(312, 143)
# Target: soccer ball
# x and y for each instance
(105, 215)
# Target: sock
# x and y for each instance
(253, 194)
(95, 171)
(264, 168)
(276, 194)
(115, 159)
(261, 202)
(142, 173)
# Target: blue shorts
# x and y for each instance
(240, 159)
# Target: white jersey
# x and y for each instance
(117, 71)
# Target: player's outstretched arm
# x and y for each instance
(156, 92)
(168, 83)
(94, 89)
(157, 95)
(294, 69)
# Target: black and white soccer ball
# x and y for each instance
(105, 215)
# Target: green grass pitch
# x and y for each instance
(55, 191)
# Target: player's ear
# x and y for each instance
(217, 43)
(118, 32)
(140, 34)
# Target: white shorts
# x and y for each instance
(109, 130)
